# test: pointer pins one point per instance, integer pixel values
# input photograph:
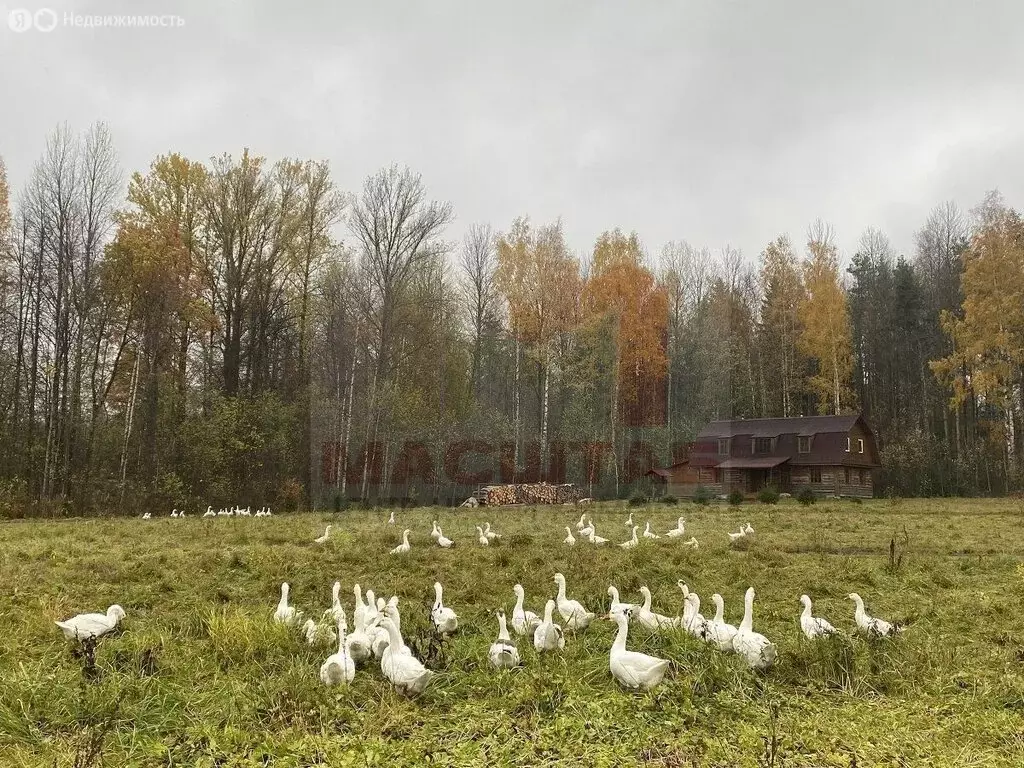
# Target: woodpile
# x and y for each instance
(529, 493)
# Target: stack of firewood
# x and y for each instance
(530, 493)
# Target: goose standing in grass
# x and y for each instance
(359, 616)
(323, 539)
(748, 529)
(548, 635)
(693, 620)
(616, 604)
(813, 626)
(588, 530)
(632, 669)
(181, 514)
(146, 515)
(734, 537)
(372, 611)
(692, 543)
(757, 649)
(572, 611)
(209, 512)
(339, 667)
(717, 631)
(484, 541)
(382, 639)
(869, 625)
(491, 535)
(593, 537)
(678, 531)
(337, 611)
(445, 620)
(444, 541)
(569, 538)
(359, 644)
(404, 547)
(629, 520)
(286, 614)
(523, 621)
(318, 633)
(632, 542)
(435, 531)
(649, 618)
(503, 654)
(648, 533)
(582, 522)
(404, 670)
(174, 513)
(391, 519)
(85, 626)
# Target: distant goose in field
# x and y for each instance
(692, 543)
(678, 531)
(323, 539)
(181, 514)
(174, 513)
(359, 615)
(391, 519)
(372, 614)
(491, 535)
(616, 604)
(588, 530)
(572, 611)
(759, 652)
(733, 537)
(247, 512)
(548, 635)
(484, 541)
(629, 520)
(523, 621)
(404, 670)
(268, 513)
(748, 529)
(869, 625)
(320, 633)
(209, 512)
(435, 531)
(649, 618)
(632, 669)
(337, 611)
(632, 542)
(339, 667)
(717, 631)
(812, 626)
(404, 547)
(444, 541)
(503, 654)
(445, 620)
(582, 523)
(593, 537)
(569, 538)
(648, 533)
(146, 515)
(286, 614)
(91, 625)
(693, 620)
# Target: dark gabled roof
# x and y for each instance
(800, 425)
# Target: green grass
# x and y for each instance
(200, 676)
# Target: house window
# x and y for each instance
(762, 445)
(815, 475)
(723, 446)
(847, 445)
(803, 444)
(860, 446)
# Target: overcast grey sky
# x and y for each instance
(716, 122)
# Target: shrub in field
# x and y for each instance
(735, 497)
(670, 500)
(637, 500)
(701, 496)
(806, 496)
(768, 496)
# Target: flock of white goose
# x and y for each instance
(234, 511)
(377, 633)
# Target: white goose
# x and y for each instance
(734, 537)
(492, 535)
(382, 640)
(869, 625)
(286, 614)
(359, 644)
(548, 635)
(648, 533)
(717, 631)
(678, 531)
(91, 625)
(404, 670)
(209, 512)
(649, 618)
(632, 542)
(339, 667)
(812, 626)
(523, 621)
(593, 537)
(748, 529)
(146, 516)
(445, 620)
(404, 547)
(444, 541)
(692, 543)
(435, 531)
(317, 634)
(693, 620)
(633, 670)
(391, 519)
(569, 538)
(572, 611)
(359, 616)
(629, 520)
(484, 541)
(588, 531)
(503, 654)
(759, 652)
(337, 611)
(616, 604)
(582, 522)
(174, 513)
(323, 539)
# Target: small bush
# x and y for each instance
(806, 496)
(670, 500)
(735, 497)
(701, 496)
(768, 496)
(637, 500)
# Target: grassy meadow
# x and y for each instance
(198, 675)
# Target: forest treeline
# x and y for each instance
(241, 330)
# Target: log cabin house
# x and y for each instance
(831, 455)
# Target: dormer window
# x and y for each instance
(803, 444)
(762, 445)
(723, 446)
